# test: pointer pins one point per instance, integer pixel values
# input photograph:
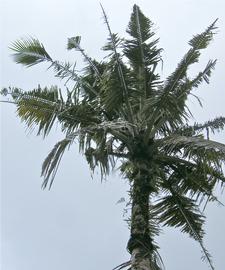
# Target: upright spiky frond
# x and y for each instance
(198, 43)
(74, 43)
(167, 96)
(119, 67)
(142, 54)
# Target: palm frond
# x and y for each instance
(156, 262)
(142, 55)
(178, 211)
(178, 77)
(191, 223)
(194, 179)
(122, 266)
(192, 144)
(168, 212)
(215, 125)
(74, 43)
(29, 52)
(198, 42)
(39, 107)
(119, 66)
(52, 161)
(112, 92)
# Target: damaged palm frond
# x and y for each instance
(52, 161)
(74, 43)
(29, 52)
(167, 99)
(197, 43)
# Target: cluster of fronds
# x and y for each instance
(120, 109)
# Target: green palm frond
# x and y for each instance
(139, 26)
(193, 144)
(52, 161)
(166, 100)
(156, 262)
(118, 109)
(194, 179)
(198, 42)
(143, 56)
(179, 211)
(112, 41)
(204, 75)
(39, 107)
(201, 41)
(42, 107)
(136, 49)
(119, 67)
(168, 212)
(74, 43)
(184, 89)
(215, 125)
(112, 92)
(29, 52)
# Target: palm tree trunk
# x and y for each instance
(140, 243)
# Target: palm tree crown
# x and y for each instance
(120, 109)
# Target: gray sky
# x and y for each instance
(78, 225)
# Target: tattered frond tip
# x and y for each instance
(201, 41)
(29, 52)
(52, 161)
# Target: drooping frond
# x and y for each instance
(178, 211)
(192, 144)
(29, 52)
(168, 212)
(39, 107)
(156, 262)
(52, 161)
(196, 179)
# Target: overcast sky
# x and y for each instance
(78, 225)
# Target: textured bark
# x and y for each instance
(140, 243)
(138, 261)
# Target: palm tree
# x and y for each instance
(118, 109)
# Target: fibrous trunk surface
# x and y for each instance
(140, 243)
